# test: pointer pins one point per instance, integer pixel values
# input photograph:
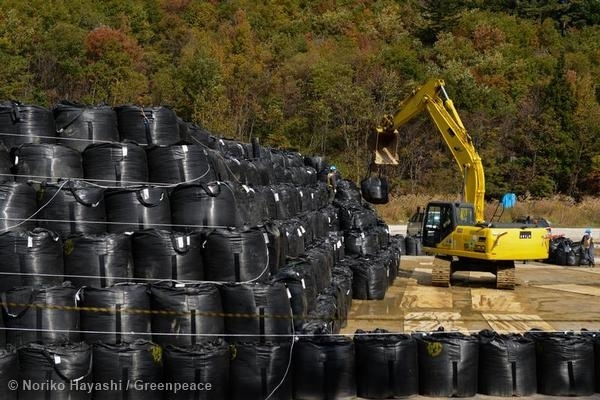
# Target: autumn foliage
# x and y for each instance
(316, 75)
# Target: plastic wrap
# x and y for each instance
(9, 370)
(507, 365)
(321, 259)
(347, 191)
(362, 243)
(375, 189)
(358, 218)
(305, 269)
(297, 289)
(193, 133)
(370, 278)
(325, 315)
(275, 245)
(293, 233)
(565, 363)
(25, 124)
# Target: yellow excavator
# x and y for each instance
(456, 232)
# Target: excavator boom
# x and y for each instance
(433, 99)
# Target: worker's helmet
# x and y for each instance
(332, 168)
(588, 231)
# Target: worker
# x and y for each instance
(587, 247)
(332, 177)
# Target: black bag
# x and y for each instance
(130, 364)
(185, 313)
(98, 260)
(75, 206)
(448, 363)
(9, 371)
(30, 258)
(386, 364)
(324, 368)
(116, 314)
(507, 365)
(202, 364)
(80, 125)
(115, 164)
(41, 314)
(67, 367)
(374, 189)
(260, 371)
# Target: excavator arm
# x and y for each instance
(433, 99)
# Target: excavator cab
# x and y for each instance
(442, 218)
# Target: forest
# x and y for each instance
(316, 76)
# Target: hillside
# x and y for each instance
(315, 75)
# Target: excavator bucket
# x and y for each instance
(384, 143)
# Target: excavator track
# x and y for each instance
(505, 277)
(440, 274)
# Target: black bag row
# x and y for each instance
(564, 251)
(41, 257)
(78, 125)
(312, 294)
(79, 207)
(372, 365)
(126, 164)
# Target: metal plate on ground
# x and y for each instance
(431, 321)
(426, 297)
(516, 323)
(495, 300)
(573, 288)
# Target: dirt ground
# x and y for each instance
(547, 297)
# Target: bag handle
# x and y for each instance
(53, 361)
(80, 200)
(181, 242)
(72, 120)
(148, 202)
(20, 314)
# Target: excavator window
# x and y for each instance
(442, 218)
(465, 216)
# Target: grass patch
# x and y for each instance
(561, 211)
